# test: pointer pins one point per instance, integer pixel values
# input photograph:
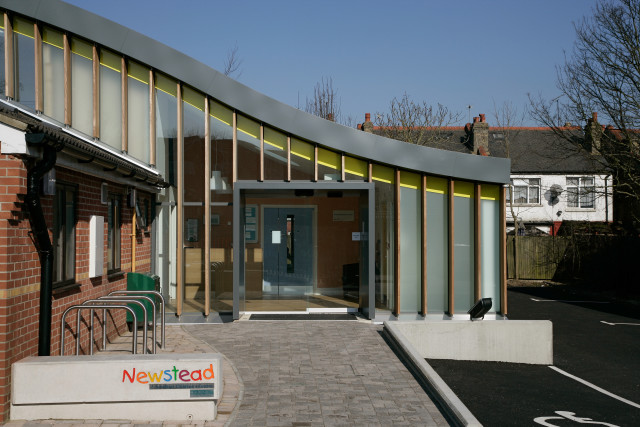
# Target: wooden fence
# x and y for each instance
(607, 260)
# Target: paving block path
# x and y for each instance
(308, 373)
(295, 373)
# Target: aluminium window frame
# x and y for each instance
(59, 228)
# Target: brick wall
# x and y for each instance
(20, 268)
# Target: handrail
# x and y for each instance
(118, 300)
(162, 308)
(103, 306)
(146, 319)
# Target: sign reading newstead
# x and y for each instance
(124, 387)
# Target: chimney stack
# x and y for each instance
(367, 126)
(480, 135)
(593, 134)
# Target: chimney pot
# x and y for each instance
(482, 118)
(594, 116)
(367, 117)
(476, 119)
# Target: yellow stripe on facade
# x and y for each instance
(110, 60)
(302, 149)
(82, 48)
(166, 84)
(249, 127)
(23, 26)
(53, 37)
(383, 174)
(329, 159)
(193, 98)
(220, 112)
(490, 192)
(437, 185)
(138, 72)
(356, 167)
(463, 189)
(410, 180)
(275, 138)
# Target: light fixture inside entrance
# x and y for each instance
(218, 183)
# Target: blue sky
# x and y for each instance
(456, 53)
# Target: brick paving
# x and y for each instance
(295, 373)
(306, 373)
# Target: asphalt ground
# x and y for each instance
(606, 355)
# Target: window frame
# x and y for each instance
(114, 233)
(60, 222)
(581, 190)
(527, 189)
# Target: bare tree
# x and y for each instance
(602, 74)
(416, 122)
(324, 102)
(508, 122)
(232, 63)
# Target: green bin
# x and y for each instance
(141, 282)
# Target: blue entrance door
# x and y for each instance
(288, 252)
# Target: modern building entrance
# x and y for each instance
(303, 247)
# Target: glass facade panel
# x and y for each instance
(24, 63)
(275, 155)
(193, 192)
(384, 244)
(2, 79)
(166, 127)
(111, 99)
(329, 165)
(437, 245)
(463, 246)
(410, 243)
(355, 169)
(248, 149)
(138, 111)
(302, 160)
(82, 86)
(490, 238)
(221, 222)
(53, 73)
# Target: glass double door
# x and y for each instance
(288, 265)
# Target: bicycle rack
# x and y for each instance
(118, 300)
(92, 307)
(162, 305)
(146, 320)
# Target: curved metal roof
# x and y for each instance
(252, 103)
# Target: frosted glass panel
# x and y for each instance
(138, 113)
(110, 104)
(463, 253)
(53, 77)
(384, 245)
(437, 250)
(166, 134)
(25, 77)
(410, 250)
(82, 93)
(490, 236)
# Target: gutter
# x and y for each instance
(41, 235)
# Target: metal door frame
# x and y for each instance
(367, 290)
(314, 232)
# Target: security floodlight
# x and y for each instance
(480, 308)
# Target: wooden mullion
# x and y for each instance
(152, 119)
(503, 252)
(96, 92)
(451, 247)
(207, 209)
(423, 238)
(37, 36)
(180, 203)
(477, 253)
(125, 104)
(288, 158)
(396, 259)
(8, 57)
(66, 47)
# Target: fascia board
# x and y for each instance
(258, 105)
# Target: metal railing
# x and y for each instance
(117, 300)
(92, 307)
(162, 308)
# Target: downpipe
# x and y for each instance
(41, 237)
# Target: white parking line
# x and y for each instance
(563, 300)
(595, 387)
(614, 324)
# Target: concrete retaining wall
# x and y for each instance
(516, 341)
(122, 387)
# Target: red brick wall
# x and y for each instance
(20, 268)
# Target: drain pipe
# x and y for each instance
(41, 237)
